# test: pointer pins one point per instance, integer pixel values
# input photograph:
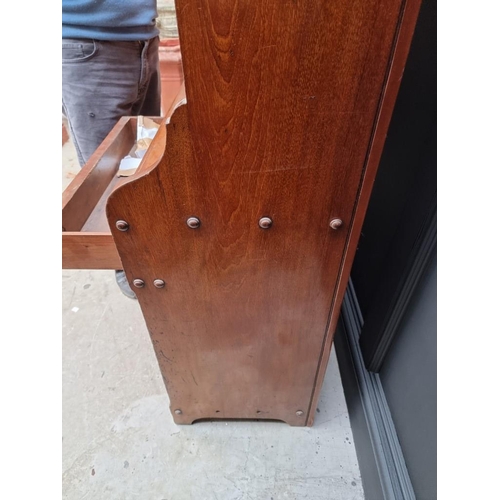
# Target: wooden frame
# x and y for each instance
(87, 242)
(84, 196)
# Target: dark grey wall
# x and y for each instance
(409, 378)
(406, 180)
(402, 205)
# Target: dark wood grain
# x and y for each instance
(283, 99)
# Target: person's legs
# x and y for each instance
(149, 99)
(100, 84)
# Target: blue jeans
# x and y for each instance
(103, 81)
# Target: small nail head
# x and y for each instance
(159, 283)
(138, 283)
(265, 222)
(122, 225)
(178, 412)
(193, 222)
(299, 413)
(336, 223)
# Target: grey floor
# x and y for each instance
(119, 439)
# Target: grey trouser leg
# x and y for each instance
(103, 81)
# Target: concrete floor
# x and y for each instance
(119, 439)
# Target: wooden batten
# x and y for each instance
(89, 251)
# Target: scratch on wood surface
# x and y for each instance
(270, 170)
(268, 47)
(168, 359)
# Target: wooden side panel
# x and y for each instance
(282, 98)
(409, 15)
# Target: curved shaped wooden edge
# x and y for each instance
(86, 189)
(402, 42)
(95, 249)
(151, 159)
(180, 421)
(157, 148)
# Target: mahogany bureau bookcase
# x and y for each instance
(239, 228)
